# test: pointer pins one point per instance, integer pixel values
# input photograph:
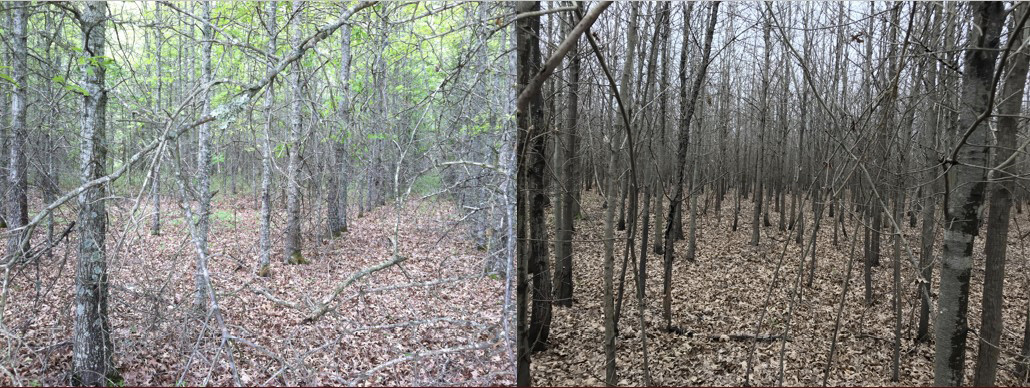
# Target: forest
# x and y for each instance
(772, 193)
(257, 193)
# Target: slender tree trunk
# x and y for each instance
(17, 180)
(204, 167)
(264, 268)
(756, 227)
(659, 231)
(687, 107)
(1002, 186)
(155, 178)
(293, 219)
(929, 200)
(567, 204)
(694, 192)
(533, 167)
(526, 30)
(92, 349)
(337, 191)
(642, 285)
(610, 376)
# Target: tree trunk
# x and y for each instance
(756, 227)
(204, 167)
(928, 198)
(563, 247)
(17, 180)
(966, 194)
(264, 267)
(526, 30)
(337, 191)
(533, 167)
(1010, 102)
(92, 349)
(293, 237)
(687, 106)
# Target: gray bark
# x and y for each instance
(1010, 102)
(337, 198)
(91, 344)
(293, 237)
(760, 160)
(567, 163)
(204, 166)
(265, 249)
(17, 180)
(929, 202)
(965, 199)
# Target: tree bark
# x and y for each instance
(1010, 103)
(563, 247)
(966, 194)
(204, 167)
(265, 244)
(92, 349)
(527, 58)
(17, 180)
(756, 227)
(687, 106)
(337, 192)
(293, 237)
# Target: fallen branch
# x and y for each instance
(328, 304)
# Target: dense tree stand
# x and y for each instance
(708, 307)
(873, 153)
(241, 193)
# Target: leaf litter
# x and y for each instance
(723, 294)
(435, 319)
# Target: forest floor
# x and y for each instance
(434, 319)
(731, 285)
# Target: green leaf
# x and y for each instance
(71, 87)
(8, 78)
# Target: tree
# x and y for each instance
(204, 167)
(966, 193)
(760, 157)
(17, 178)
(337, 193)
(264, 264)
(293, 238)
(92, 351)
(527, 59)
(1001, 189)
(567, 164)
(687, 106)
